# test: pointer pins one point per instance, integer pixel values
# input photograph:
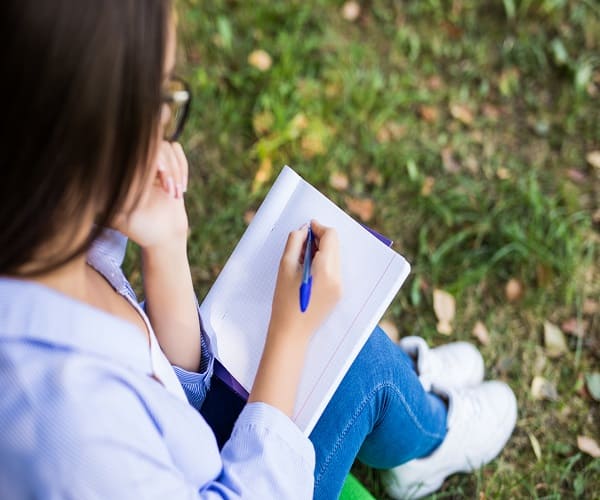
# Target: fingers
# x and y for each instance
(327, 238)
(293, 248)
(172, 169)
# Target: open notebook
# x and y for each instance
(237, 309)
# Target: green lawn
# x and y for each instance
(465, 125)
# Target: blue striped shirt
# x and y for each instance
(81, 417)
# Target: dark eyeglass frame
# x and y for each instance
(182, 97)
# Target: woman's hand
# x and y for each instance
(286, 317)
(278, 374)
(160, 218)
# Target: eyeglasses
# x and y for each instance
(177, 96)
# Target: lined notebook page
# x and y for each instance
(237, 308)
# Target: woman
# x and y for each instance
(102, 397)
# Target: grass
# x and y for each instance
(467, 122)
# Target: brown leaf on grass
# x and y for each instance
(592, 382)
(427, 186)
(448, 160)
(462, 113)
(260, 59)
(339, 181)
(434, 82)
(554, 340)
(588, 445)
(364, 208)
(374, 177)
(577, 176)
(262, 122)
(472, 164)
(397, 130)
(248, 216)
(444, 306)
(503, 173)
(480, 332)
(490, 111)
(390, 131)
(312, 145)
(543, 389)
(513, 290)
(429, 114)
(590, 306)
(593, 158)
(263, 174)
(574, 327)
(351, 11)
(535, 445)
(390, 329)
(298, 124)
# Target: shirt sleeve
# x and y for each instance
(265, 438)
(196, 383)
(115, 449)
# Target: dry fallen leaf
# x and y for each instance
(262, 122)
(444, 307)
(390, 329)
(260, 59)
(576, 175)
(513, 290)
(490, 111)
(312, 145)
(588, 445)
(543, 389)
(351, 11)
(263, 174)
(374, 177)
(427, 186)
(503, 173)
(364, 208)
(339, 181)
(480, 332)
(448, 160)
(434, 82)
(590, 306)
(461, 113)
(592, 382)
(248, 216)
(593, 158)
(554, 340)
(430, 114)
(574, 327)
(535, 444)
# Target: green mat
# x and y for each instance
(354, 490)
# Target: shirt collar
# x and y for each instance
(33, 312)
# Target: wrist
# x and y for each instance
(174, 248)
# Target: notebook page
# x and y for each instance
(234, 290)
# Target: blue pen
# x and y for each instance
(306, 276)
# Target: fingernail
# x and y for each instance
(171, 186)
(179, 191)
(303, 226)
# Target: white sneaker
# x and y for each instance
(480, 421)
(457, 364)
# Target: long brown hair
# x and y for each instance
(81, 99)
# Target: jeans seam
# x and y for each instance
(356, 414)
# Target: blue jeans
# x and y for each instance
(379, 414)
